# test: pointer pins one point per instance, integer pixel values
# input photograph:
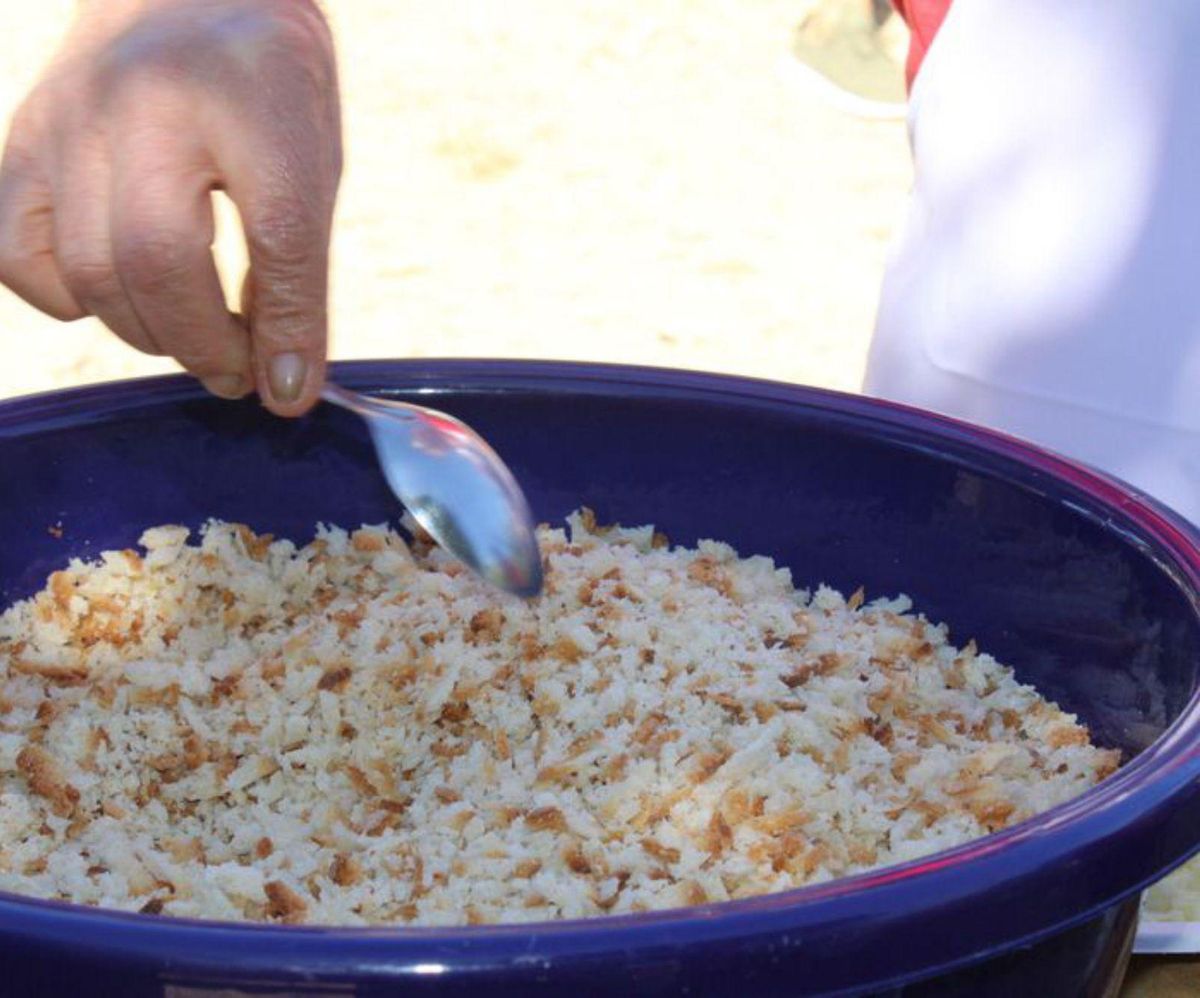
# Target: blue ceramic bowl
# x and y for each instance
(1089, 590)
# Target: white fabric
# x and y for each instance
(1047, 282)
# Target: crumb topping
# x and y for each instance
(358, 731)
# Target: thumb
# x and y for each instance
(284, 304)
(277, 147)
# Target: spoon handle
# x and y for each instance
(365, 405)
(339, 396)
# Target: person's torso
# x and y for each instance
(1052, 249)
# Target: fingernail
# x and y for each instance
(286, 374)
(227, 386)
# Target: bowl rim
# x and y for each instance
(1102, 825)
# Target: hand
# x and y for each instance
(107, 178)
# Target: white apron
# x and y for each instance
(1047, 282)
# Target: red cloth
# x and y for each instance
(923, 18)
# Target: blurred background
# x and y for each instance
(640, 181)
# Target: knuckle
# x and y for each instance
(22, 150)
(284, 321)
(285, 234)
(300, 33)
(230, 42)
(297, 54)
(20, 251)
(13, 262)
(62, 311)
(142, 57)
(90, 279)
(154, 260)
(24, 272)
(288, 40)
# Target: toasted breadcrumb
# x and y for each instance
(359, 732)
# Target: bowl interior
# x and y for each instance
(839, 491)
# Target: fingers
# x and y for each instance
(129, 245)
(27, 263)
(289, 259)
(162, 230)
(287, 237)
(282, 174)
(83, 243)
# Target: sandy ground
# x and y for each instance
(637, 180)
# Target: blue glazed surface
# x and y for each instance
(1089, 591)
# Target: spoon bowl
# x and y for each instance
(455, 486)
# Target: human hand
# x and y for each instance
(106, 185)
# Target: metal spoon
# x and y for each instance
(455, 487)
